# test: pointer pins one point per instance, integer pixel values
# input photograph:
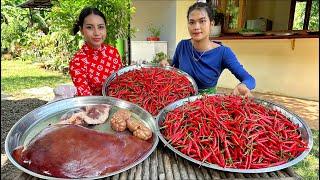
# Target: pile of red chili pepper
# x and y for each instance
(233, 131)
(151, 88)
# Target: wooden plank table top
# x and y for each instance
(163, 164)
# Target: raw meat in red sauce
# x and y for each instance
(97, 114)
(76, 119)
(92, 114)
(71, 151)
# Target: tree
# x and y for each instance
(314, 16)
(118, 13)
(299, 16)
(13, 26)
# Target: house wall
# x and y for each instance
(182, 22)
(276, 11)
(160, 13)
(276, 67)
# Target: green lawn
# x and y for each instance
(308, 168)
(18, 75)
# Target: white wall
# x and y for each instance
(157, 12)
(278, 11)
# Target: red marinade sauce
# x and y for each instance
(72, 151)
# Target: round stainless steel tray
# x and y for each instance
(306, 134)
(279, 33)
(35, 121)
(250, 33)
(139, 66)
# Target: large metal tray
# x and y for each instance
(35, 121)
(139, 66)
(279, 33)
(306, 134)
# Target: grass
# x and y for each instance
(308, 168)
(18, 75)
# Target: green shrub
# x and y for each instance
(47, 37)
(154, 31)
(158, 57)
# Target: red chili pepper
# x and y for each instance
(157, 83)
(239, 132)
(189, 147)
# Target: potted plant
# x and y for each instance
(154, 32)
(159, 57)
(218, 18)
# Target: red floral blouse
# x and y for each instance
(90, 67)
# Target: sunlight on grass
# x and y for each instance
(17, 75)
(309, 167)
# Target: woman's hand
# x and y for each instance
(164, 63)
(241, 89)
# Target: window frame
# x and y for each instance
(306, 15)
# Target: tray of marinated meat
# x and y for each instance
(83, 137)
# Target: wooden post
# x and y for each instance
(242, 14)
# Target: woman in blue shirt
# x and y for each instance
(205, 60)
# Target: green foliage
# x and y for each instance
(39, 19)
(232, 11)
(154, 31)
(314, 16)
(158, 57)
(308, 168)
(13, 30)
(47, 36)
(65, 13)
(299, 16)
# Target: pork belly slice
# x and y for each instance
(97, 114)
(91, 114)
(74, 116)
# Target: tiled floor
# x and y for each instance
(306, 109)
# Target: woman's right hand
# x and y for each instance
(164, 63)
(242, 90)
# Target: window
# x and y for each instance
(304, 15)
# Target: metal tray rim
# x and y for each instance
(78, 99)
(214, 166)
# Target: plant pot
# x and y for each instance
(216, 31)
(153, 38)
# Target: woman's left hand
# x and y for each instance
(241, 89)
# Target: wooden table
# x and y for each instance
(163, 164)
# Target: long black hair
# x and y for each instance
(201, 6)
(84, 13)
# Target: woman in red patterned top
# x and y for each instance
(95, 61)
